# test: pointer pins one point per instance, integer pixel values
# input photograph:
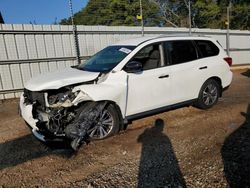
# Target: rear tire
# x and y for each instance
(209, 94)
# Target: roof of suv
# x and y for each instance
(137, 41)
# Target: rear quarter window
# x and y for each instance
(180, 51)
(207, 48)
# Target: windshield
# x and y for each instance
(106, 59)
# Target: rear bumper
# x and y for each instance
(227, 79)
(225, 88)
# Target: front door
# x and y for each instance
(151, 88)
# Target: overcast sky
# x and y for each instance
(38, 11)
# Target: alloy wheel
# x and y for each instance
(103, 125)
(210, 94)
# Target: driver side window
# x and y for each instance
(149, 57)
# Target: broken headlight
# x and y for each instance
(61, 96)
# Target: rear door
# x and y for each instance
(208, 59)
(185, 69)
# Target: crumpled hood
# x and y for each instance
(58, 79)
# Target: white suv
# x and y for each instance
(123, 82)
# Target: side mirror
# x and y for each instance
(133, 67)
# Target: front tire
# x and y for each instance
(209, 94)
(108, 124)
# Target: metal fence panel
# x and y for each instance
(28, 50)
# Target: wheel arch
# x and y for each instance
(199, 102)
(122, 126)
(219, 82)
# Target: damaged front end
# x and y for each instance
(63, 114)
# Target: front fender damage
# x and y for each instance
(69, 113)
(67, 124)
(86, 119)
(80, 97)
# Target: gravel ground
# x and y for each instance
(187, 147)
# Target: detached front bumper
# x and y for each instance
(26, 113)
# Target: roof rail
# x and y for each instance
(183, 35)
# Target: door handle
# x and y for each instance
(205, 67)
(164, 76)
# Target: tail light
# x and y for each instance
(229, 60)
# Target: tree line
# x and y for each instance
(173, 13)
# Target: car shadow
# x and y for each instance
(235, 154)
(247, 73)
(26, 148)
(158, 164)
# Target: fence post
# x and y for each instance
(228, 27)
(77, 51)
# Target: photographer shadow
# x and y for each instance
(235, 154)
(27, 148)
(158, 164)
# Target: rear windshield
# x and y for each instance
(207, 48)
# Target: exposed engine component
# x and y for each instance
(74, 122)
(59, 117)
(52, 122)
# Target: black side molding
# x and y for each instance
(164, 76)
(205, 67)
(158, 110)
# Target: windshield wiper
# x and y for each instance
(79, 68)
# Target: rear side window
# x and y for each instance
(180, 51)
(207, 48)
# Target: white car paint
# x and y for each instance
(26, 113)
(137, 92)
(58, 79)
(114, 89)
(146, 91)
